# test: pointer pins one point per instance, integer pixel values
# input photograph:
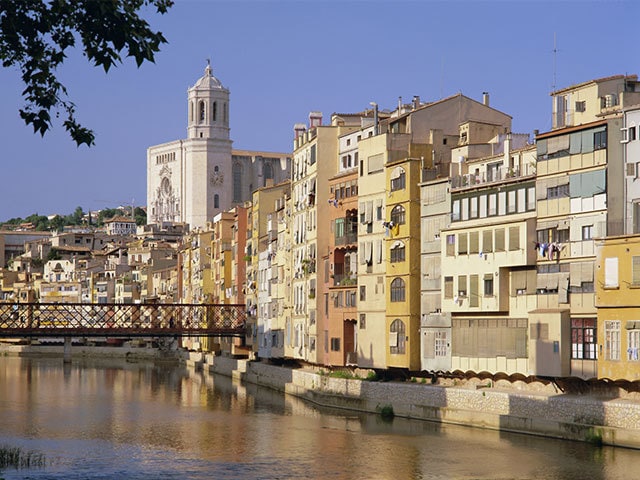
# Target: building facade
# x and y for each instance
(192, 180)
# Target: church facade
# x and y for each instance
(192, 180)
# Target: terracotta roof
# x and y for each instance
(121, 219)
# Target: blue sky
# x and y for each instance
(282, 59)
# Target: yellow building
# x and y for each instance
(402, 249)
(617, 279)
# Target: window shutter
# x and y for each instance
(514, 238)
(635, 270)
(487, 241)
(499, 240)
(611, 272)
(473, 291)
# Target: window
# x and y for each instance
(448, 287)
(583, 338)
(398, 179)
(511, 202)
(633, 344)
(455, 210)
(201, 111)
(350, 298)
(473, 207)
(581, 106)
(462, 243)
(335, 344)
(462, 285)
(612, 339)
(487, 241)
(267, 171)
(488, 285)
(451, 245)
(397, 338)
(214, 112)
(514, 238)
(216, 201)
(441, 343)
(363, 321)
(632, 133)
(312, 154)
(558, 192)
(397, 290)
(599, 140)
(474, 246)
(587, 232)
(237, 182)
(499, 240)
(635, 270)
(397, 215)
(398, 253)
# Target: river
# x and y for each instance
(113, 419)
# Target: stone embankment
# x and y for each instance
(530, 409)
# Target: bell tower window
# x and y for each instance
(201, 112)
(214, 112)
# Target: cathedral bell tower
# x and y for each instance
(208, 108)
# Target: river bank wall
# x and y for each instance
(606, 421)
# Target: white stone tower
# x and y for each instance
(190, 180)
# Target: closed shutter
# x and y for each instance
(514, 238)
(499, 240)
(487, 241)
(635, 270)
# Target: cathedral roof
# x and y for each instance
(208, 80)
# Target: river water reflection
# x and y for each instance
(113, 419)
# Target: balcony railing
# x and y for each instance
(346, 239)
(497, 175)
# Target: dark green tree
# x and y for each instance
(36, 34)
(56, 223)
(140, 216)
(78, 216)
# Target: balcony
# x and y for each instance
(346, 239)
(491, 176)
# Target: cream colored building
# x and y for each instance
(314, 162)
(371, 349)
(580, 197)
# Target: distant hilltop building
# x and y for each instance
(192, 180)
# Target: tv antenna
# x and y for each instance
(555, 55)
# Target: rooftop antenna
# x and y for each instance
(555, 55)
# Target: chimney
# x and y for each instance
(299, 129)
(485, 98)
(416, 101)
(315, 119)
(399, 105)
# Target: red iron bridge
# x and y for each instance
(120, 320)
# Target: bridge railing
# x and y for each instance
(120, 319)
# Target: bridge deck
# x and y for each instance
(116, 320)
